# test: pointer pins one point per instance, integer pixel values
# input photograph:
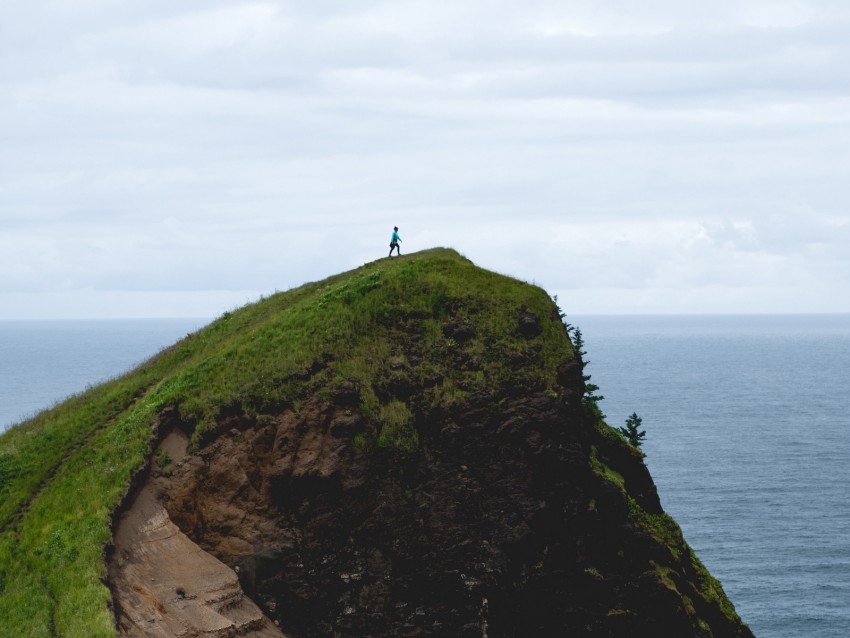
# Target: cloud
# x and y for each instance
(653, 149)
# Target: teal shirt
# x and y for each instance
(395, 239)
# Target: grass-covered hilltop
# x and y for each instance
(406, 449)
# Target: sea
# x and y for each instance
(43, 362)
(747, 422)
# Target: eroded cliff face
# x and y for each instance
(509, 513)
(163, 583)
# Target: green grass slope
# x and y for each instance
(63, 473)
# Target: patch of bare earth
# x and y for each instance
(164, 584)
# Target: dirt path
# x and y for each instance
(164, 585)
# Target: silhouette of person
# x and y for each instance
(395, 240)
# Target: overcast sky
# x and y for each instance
(165, 158)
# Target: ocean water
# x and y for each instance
(747, 421)
(748, 441)
(42, 362)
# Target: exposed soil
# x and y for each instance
(164, 584)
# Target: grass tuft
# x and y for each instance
(397, 430)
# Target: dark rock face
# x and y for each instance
(529, 324)
(500, 524)
(459, 330)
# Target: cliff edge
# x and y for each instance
(406, 449)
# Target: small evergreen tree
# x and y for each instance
(563, 316)
(634, 435)
(590, 399)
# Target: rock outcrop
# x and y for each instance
(465, 488)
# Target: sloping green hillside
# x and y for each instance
(63, 473)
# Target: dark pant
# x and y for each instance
(395, 246)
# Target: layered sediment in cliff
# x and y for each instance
(163, 583)
(453, 481)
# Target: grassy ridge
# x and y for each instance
(63, 472)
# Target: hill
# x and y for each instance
(406, 449)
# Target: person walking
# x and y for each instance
(395, 240)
